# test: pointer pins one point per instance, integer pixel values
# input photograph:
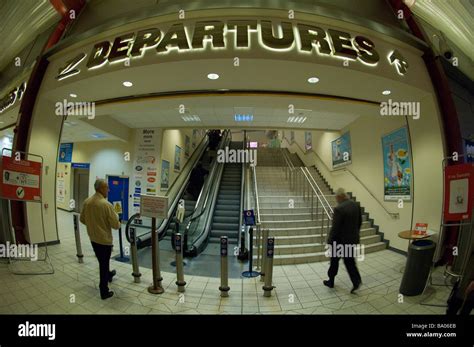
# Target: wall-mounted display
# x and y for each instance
(341, 151)
(396, 165)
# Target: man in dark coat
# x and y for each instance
(344, 238)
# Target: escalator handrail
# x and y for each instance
(211, 192)
(209, 180)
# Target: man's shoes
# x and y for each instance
(355, 287)
(107, 295)
(111, 275)
(329, 283)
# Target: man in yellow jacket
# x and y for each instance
(99, 216)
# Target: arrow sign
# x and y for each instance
(397, 59)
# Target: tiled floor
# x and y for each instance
(73, 289)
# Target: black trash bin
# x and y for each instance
(417, 269)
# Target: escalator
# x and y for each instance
(226, 216)
(220, 213)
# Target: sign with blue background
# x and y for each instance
(80, 165)
(249, 217)
(65, 152)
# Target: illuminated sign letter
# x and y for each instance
(242, 31)
(213, 28)
(342, 44)
(99, 55)
(284, 42)
(310, 35)
(71, 67)
(121, 47)
(367, 52)
(145, 39)
(181, 40)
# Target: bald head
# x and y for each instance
(101, 186)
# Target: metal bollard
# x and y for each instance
(268, 287)
(156, 287)
(179, 263)
(133, 245)
(77, 236)
(264, 254)
(224, 288)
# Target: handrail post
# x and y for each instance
(264, 254)
(133, 245)
(258, 245)
(224, 287)
(268, 286)
(179, 263)
(77, 235)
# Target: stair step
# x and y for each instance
(225, 226)
(318, 256)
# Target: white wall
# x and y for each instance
(105, 158)
(367, 165)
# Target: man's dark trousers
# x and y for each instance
(351, 267)
(103, 253)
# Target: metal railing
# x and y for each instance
(303, 183)
(391, 214)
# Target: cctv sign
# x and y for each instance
(282, 36)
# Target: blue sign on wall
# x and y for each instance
(469, 151)
(80, 165)
(65, 152)
(249, 217)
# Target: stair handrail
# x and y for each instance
(391, 214)
(319, 189)
(329, 215)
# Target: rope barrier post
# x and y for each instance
(133, 245)
(264, 254)
(224, 288)
(250, 273)
(156, 287)
(268, 287)
(77, 236)
(179, 263)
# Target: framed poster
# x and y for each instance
(20, 179)
(187, 144)
(65, 152)
(308, 140)
(177, 158)
(396, 165)
(341, 151)
(165, 174)
(458, 192)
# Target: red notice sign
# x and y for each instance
(459, 192)
(20, 179)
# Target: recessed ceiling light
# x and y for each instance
(243, 117)
(127, 84)
(296, 119)
(192, 118)
(213, 76)
(72, 95)
(98, 136)
(313, 80)
(387, 92)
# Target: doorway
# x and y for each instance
(81, 187)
